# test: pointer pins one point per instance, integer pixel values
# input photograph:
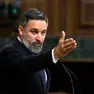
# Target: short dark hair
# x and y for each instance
(31, 14)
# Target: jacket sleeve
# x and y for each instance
(9, 58)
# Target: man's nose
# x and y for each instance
(39, 36)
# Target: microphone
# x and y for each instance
(68, 72)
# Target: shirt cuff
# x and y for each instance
(53, 57)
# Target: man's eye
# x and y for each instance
(43, 33)
(34, 32)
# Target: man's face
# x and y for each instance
(33, 35)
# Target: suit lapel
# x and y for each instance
(21, 46)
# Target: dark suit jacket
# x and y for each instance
(19, 70)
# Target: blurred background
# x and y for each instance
(76, 18)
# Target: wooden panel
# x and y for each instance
(80, 18)
(87, 12)
(86, 22)
(53, 9)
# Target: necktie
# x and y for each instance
(42, 74)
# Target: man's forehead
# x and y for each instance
(37, 24)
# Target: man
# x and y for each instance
(21, 63)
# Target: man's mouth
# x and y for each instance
(37, 44)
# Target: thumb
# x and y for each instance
(63, 35)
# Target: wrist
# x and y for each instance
(56, 54)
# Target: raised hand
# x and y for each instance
(64, 46)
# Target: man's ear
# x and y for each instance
(20, 29)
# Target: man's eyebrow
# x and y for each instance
(45, 30)
(33, 29)
(37, 29)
